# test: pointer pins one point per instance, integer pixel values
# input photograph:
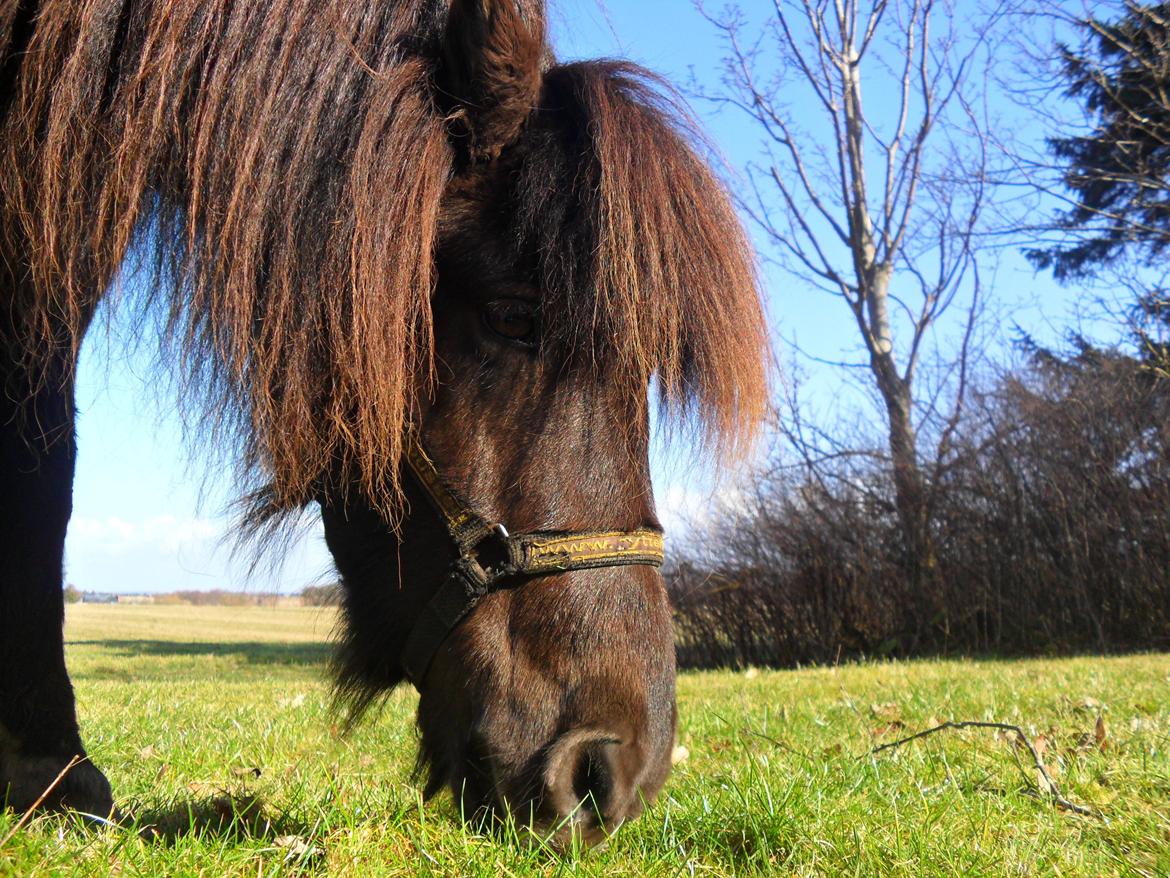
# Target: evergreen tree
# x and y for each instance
(1119, 172)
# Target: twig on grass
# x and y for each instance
(27, 815)
(1049, 784)
(776, 742)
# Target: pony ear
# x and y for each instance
(490, 72)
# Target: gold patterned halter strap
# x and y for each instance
(490, 558)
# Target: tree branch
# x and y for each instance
(1049, 786)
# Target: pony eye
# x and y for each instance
(513, 319)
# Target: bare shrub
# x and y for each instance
(321, 595)
(1050, 514)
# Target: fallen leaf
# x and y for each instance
(1100, 736)
(1142, 724)
(888, 729)
(1040, 745)
(246, 772)
(297, 848)
(888, 710)
(1044, 783)
(679, 754)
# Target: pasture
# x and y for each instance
(214, 726)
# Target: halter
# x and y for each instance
(489, 556)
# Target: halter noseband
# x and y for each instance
(489, 555)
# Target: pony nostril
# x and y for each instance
(593, 780)
(585, 782)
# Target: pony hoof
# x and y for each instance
(24, 781)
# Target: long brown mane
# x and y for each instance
(288, 161)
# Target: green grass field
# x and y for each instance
(214, 726)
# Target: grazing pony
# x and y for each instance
(415, 272)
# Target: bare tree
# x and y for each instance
(877, 201)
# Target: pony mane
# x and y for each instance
(644, 266)
(283, 164)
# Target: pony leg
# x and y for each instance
(38, 722)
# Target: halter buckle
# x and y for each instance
(475, 579)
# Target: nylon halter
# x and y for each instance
(488, 556)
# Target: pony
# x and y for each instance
(377, 227)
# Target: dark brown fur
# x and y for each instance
(332, 193)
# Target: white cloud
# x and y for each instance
(167, 552)
(168, 533)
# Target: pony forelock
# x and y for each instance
(643, 264)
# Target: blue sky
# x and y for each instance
(148, 519)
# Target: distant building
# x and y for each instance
(98, 597)
(136, 599)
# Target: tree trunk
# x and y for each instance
(922, 602)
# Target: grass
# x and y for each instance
(214, 726)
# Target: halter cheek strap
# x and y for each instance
(488, 556)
